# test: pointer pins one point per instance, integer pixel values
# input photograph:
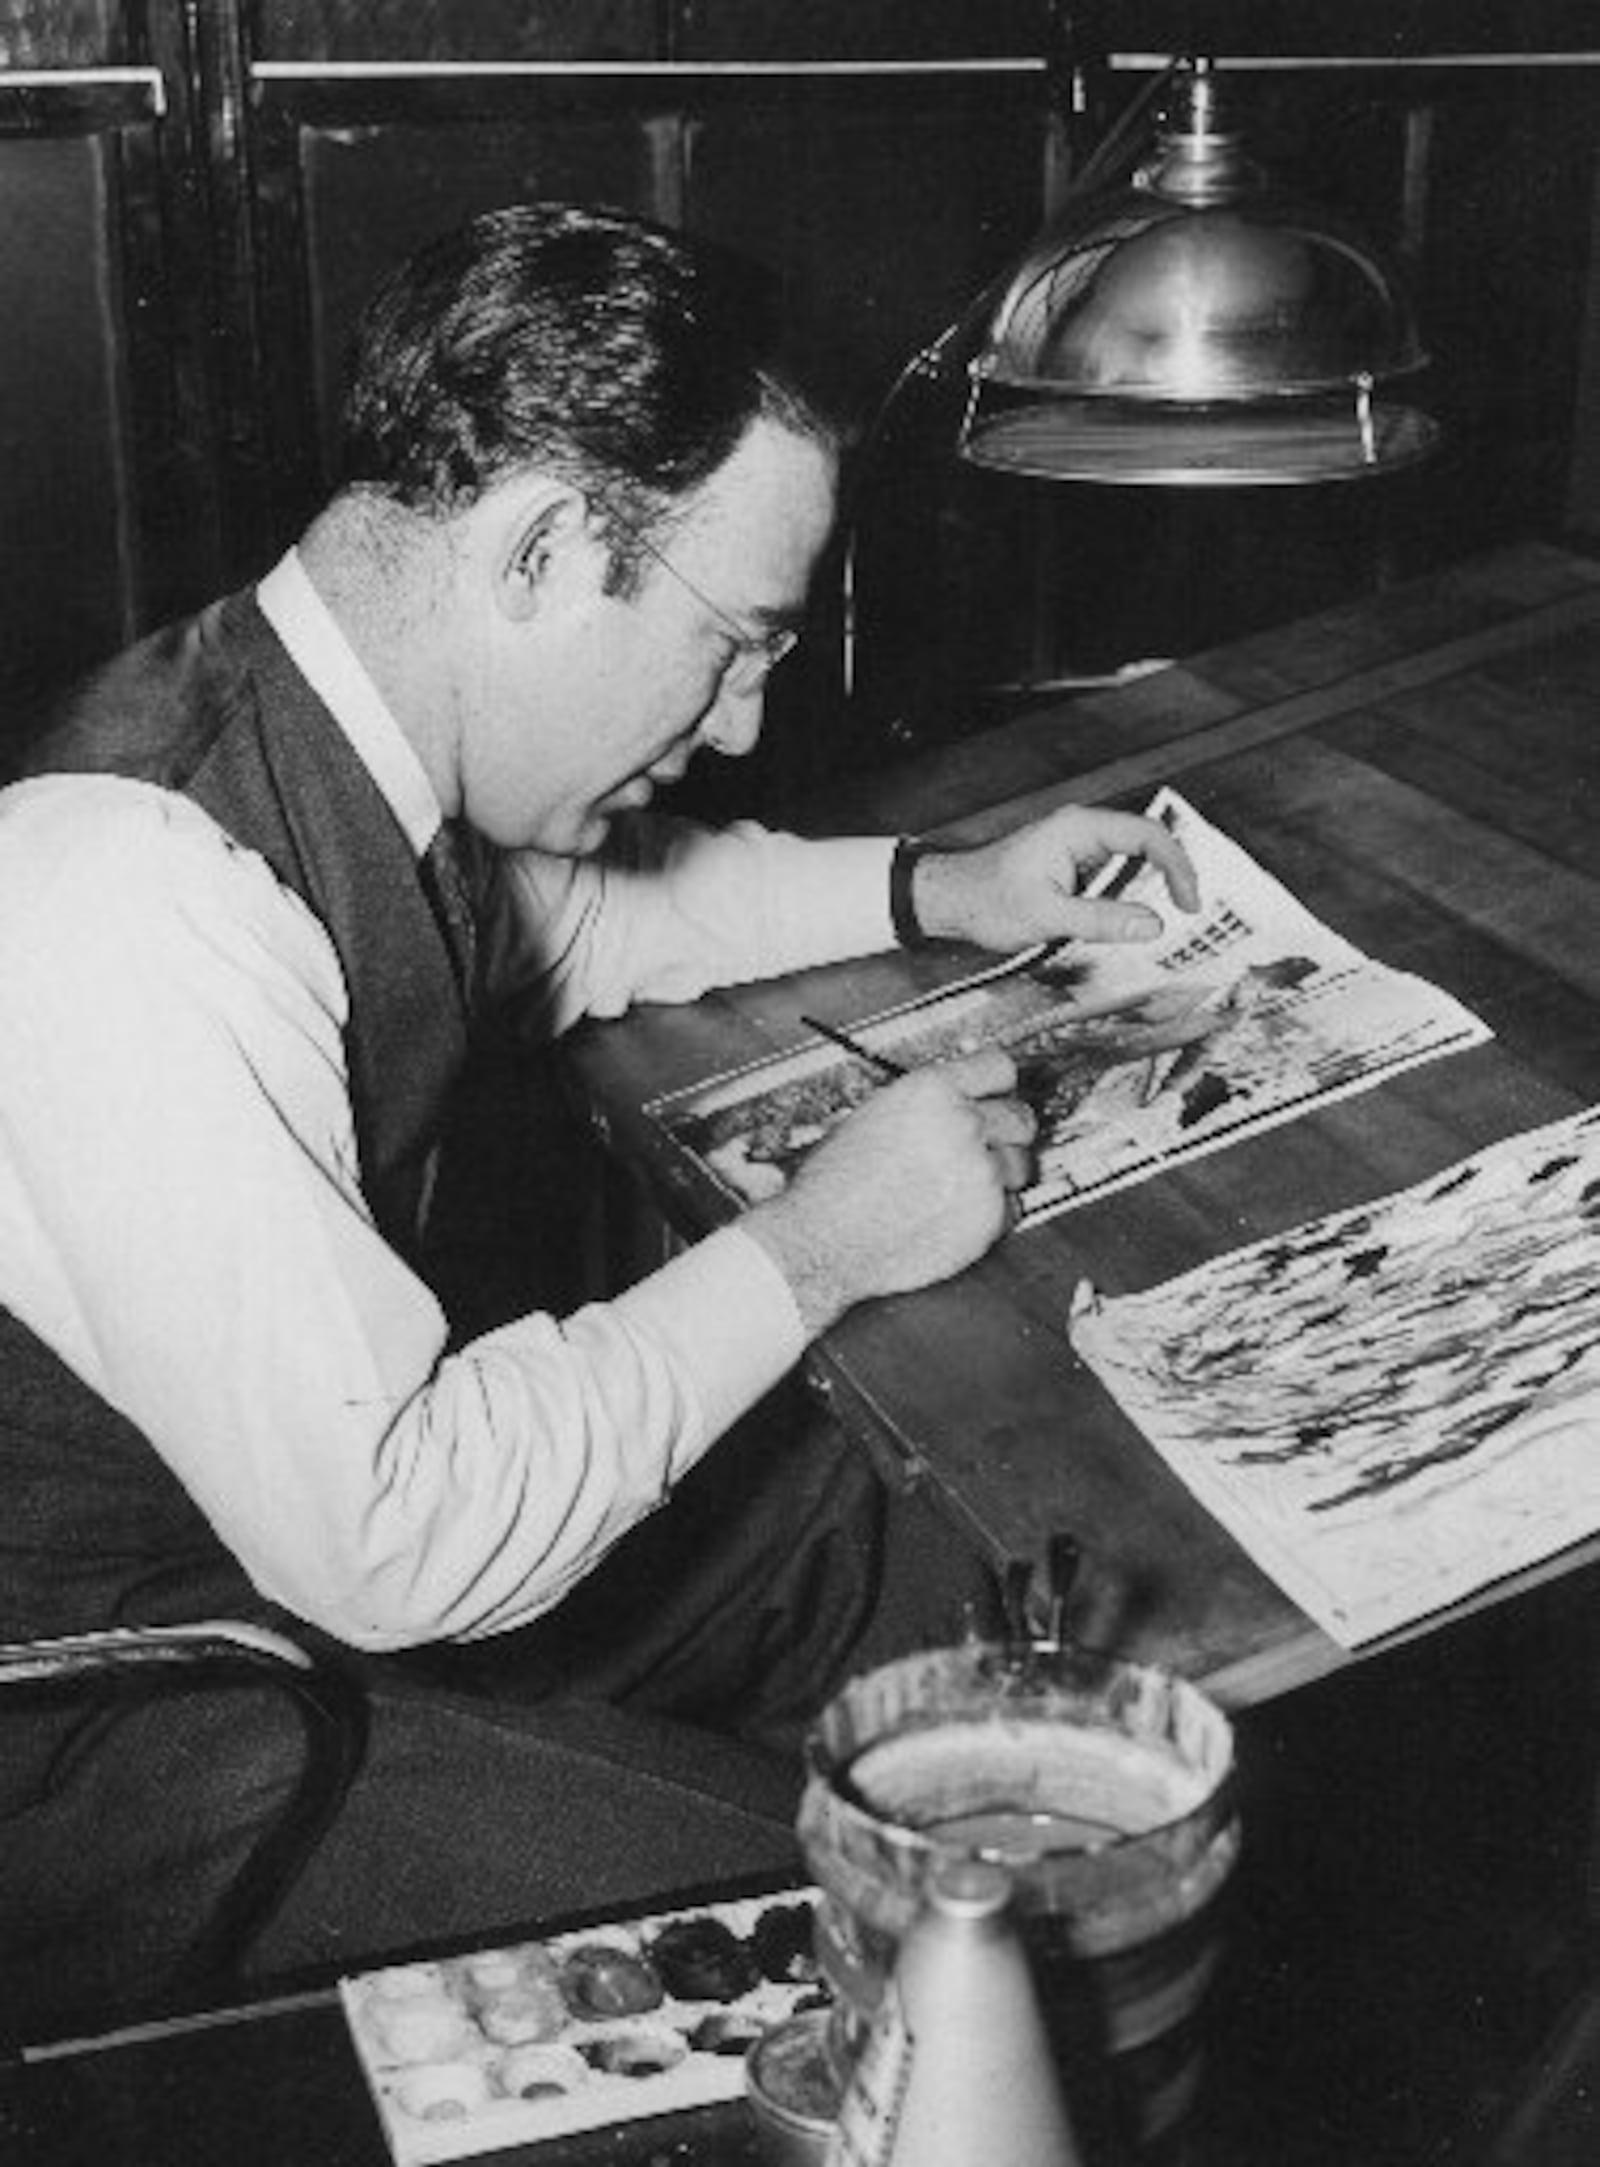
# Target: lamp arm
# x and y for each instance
(925, 364)
(929, 359)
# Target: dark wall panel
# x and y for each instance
(1316, 27)
(63, 570)
(60, 33)
(458, 29)
(860, 29)
(642, 29)
(883, 221)
(372, 195)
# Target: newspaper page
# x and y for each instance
(1134, 1055)
(1393, 1407)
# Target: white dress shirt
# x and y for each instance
(183, 1221)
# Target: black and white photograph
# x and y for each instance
(799, 1083)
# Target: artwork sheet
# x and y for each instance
(1393, 1407)
(1134, 1055)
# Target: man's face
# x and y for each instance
(598, 700)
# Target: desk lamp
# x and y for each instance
(1193, 327)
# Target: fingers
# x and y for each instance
(1137, 836)
(1013, 1168)
(1183, 883)
(987, 1073)
(1005, 1124)
(1009, 1128)
(1093, 920)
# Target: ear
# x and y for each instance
(547, 548)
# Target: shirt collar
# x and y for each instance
(333, 670)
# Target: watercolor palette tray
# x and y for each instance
(602, 2024)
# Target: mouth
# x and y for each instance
(634, 794)
(629, 797)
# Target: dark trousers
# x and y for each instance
(640, 1740)
(645, 1736)
(781, 1565)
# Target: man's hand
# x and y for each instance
(1027, 887)
(909, 1188)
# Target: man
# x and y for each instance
(263, 874)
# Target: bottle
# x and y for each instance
(957, 2069)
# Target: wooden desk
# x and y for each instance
(1420, 769)
(276, 2086)
(277, 2081)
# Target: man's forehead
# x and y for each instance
(775, 492)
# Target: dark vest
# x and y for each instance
(94, 1529)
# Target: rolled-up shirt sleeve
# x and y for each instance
(186, 1228)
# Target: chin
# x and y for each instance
(571, 835)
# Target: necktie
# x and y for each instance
(450, 895)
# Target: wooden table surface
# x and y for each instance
(1420, 770)
(278, 2086)
(276, 2081)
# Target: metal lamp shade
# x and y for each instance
(1197, 326)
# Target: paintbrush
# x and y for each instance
(880, 1061)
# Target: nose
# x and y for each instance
(733, 725)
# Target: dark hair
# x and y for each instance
(604, 348)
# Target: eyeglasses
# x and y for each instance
(755, 654)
